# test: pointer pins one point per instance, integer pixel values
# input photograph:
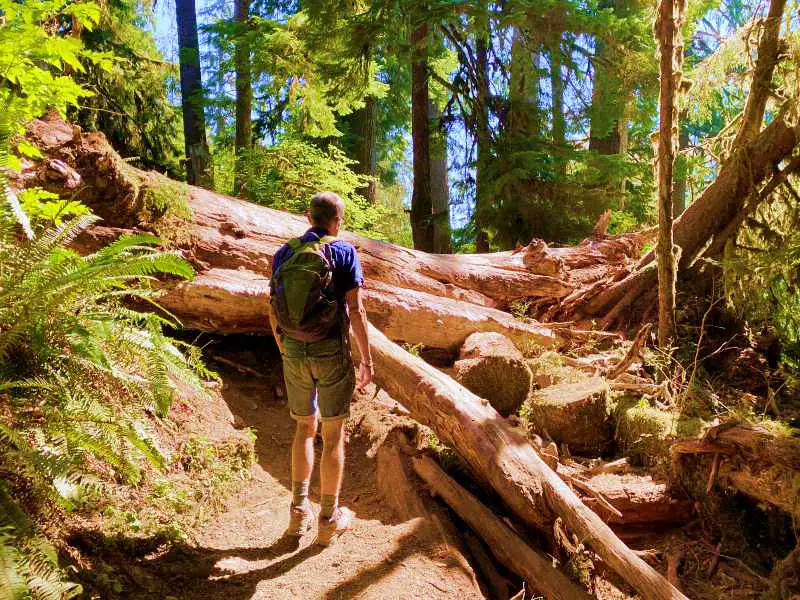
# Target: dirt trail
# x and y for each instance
(243, 553)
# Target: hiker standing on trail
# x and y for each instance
(315, 298)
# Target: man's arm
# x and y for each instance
(358, 321)
(273, 321)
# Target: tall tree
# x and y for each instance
(199, 169)
(483, 134)
(670, 45)
(421, 200)
(440, 188)
(557, 88)
(244, 89)
(364, 143)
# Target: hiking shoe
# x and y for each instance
(330, 529)
(300, 519)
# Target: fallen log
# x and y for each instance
(392, 439)
(497, 583)
(236, 301)
(638, 499)
(506, 545)
(217, 233)
(500, 456)
(229, 233)
(753, 460)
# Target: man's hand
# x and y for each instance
(365, 373)
(358, 320)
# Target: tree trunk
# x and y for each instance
(199, 168)
(607, 106)
(421, 200)
(364, 130)
(681, 175)
(483, 137)
(506, 545)
(524, 120)
(440, 187)
(500, 456)
(559, 124)
(244, 91)
(231, 244)
(668, 32)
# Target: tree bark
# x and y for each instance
(483, 137)
(761, 85)
(681, 176)
(557, 88)
(440, 186)
(506, 545)
(421, 200)
(199, 168)
(244, 91)
(364, 130)
(499, 455)
(668, 33)
(524, 119)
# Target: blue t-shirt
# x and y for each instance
(347, 273)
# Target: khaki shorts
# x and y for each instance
(319, 378)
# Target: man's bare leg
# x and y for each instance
(332, 464)
(302, 464)
(333, 519)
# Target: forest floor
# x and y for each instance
(237, 549)
(243, 553)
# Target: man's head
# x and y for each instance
(326, 211)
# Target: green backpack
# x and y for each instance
(302, 294)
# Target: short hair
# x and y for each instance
(324, 208)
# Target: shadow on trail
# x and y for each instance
(144, 571)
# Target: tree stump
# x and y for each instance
(493, 368)
(573, 413)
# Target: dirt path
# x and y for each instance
(243, 553)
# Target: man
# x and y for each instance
(316, 298)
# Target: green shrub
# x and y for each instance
(287, 175)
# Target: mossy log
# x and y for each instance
(573, 413)
(761, 463)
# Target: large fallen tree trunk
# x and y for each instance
(501, 456)
(219, 233)
(236, 301)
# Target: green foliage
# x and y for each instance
(78, 369)
(287, 175)
(130, 93)
(29, 569)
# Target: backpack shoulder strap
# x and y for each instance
(294, 243)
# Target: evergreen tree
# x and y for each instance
(199, 168)
(244, 88)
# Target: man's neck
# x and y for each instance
(322, 231)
